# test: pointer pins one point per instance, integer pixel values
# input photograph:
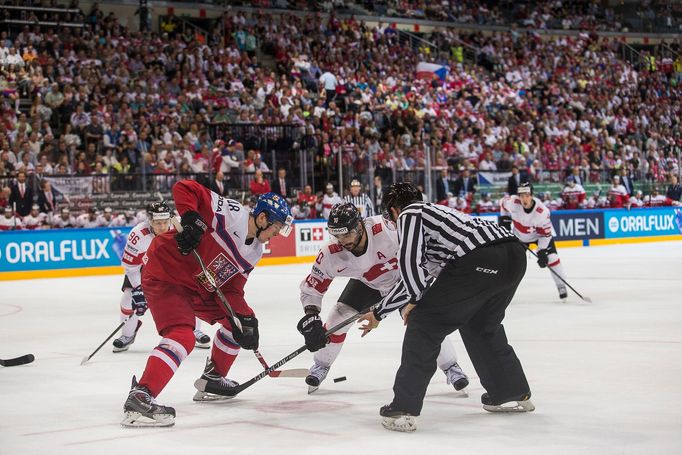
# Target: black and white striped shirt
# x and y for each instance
(363, 203)
(430, 236)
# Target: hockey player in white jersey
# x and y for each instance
(64, 220)
(9, 221)
(133, 303)
(366, 252)
(329, 200)
(108, 219)
(35, 219)
(529, 219)
(89, 219)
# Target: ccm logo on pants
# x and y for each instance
(490, 271)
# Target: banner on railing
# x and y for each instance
(643, 223)
(72, 186)
(493, 178)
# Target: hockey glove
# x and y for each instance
(505, 222)
(542, 258)
(139, 302)
(247, 338)
(193, 227)
(312, 330)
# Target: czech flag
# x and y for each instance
(431, 71)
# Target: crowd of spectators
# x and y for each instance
(111, 102)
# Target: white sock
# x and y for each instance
(447, 356)
(338, 313)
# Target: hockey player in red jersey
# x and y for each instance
(229, 239)
(133, 304)
(528, 218)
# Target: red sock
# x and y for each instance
(165, 359)
(224, 351)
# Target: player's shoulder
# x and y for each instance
(142, 229)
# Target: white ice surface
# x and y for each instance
(605, 376)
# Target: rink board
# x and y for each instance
(83, 252)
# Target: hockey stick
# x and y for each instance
(233, 317)
(291, 373)
(21, 360)
(86, 358)
(240, 388)
(585, 298)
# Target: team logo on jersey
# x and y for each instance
(376, 229)
(221, 270)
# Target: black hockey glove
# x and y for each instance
(505, 222)
(139, 302)
(542, 258)
(312, 330)
(247, 338)
(193, 227)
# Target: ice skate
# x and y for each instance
(316, 376)
(141, 410)
(518, 404)
(123, 342)
(213, 387)
(456, 377)
(395, 420)
(203, 341)
(562, 292)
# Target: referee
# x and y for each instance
(360, 200)
(460, 273)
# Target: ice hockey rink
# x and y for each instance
(605, 376)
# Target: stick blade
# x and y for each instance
(85, 360)
(22, 360)
(292, 373)
(587, 299)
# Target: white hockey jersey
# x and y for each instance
(114, 221)
(528, 227)
(34, 222)
(84, 221)
(325, 206)
(139, 239)
(7, 224)
(58, 222)
(377, 268)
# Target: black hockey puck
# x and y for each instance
(339, 379)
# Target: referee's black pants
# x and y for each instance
(471, 294)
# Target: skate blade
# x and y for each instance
(115, 349)
(404, 424)
(206, 397)
(202, 345)
(136, 420)
(518, 406)
(312, 388)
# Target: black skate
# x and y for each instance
(213, 387)
(395, 420)
(141, 410)
(123, 342)
(516, 404)
(456, 377)
(562, 292)
(317, 374)
(202, 340)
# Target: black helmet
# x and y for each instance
(158, 211)
(400, 195)
(343, 218)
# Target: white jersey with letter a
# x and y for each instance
(528, 227)
(138, 242)
(377, 268)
